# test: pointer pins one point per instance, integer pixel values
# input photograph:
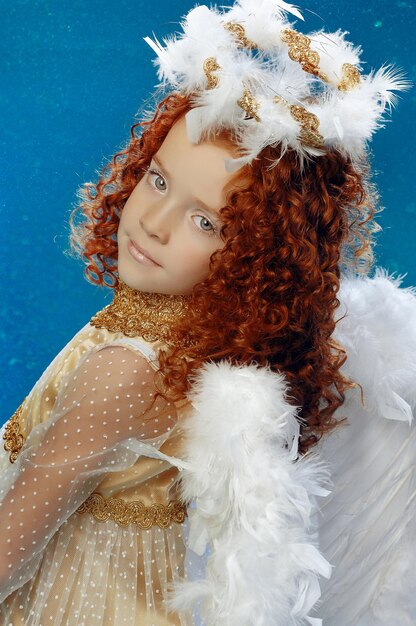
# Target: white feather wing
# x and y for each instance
(368, 525)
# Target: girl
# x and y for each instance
(165, 468)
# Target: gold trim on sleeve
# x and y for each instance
(136, 512)
(13, 435)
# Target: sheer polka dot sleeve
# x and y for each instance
(102, 406)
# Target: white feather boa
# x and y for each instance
(255, 505)
(253, 501)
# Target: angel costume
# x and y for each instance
(94, 527)
(90, 535)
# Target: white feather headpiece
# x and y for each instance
(248, 70)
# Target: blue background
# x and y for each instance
(74, 74)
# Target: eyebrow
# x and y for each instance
(205, 206)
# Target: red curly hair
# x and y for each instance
(271, 293)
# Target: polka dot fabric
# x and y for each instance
(89, 426)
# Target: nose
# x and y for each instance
(153, 232)
(159, 220)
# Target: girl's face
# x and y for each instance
(172, 216)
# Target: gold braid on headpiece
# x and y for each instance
(250, 71)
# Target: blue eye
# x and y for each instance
(211, 231)
(158, 177)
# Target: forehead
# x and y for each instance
(197, 169)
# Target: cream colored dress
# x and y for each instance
(91, 530)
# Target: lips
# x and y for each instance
(135, 248)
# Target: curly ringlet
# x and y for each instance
(271, 294)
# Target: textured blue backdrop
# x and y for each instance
(74, 75)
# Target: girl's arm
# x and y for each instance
(100, 407)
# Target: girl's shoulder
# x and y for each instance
(39, 403)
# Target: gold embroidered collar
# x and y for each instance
(138, 313)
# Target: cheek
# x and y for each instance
(133, 204)
(125, 215)
(196, 261)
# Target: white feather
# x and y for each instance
(386, 80)
(333, 52)
(253, 502)
(348, 119)
(368, 523)
(262, 25)
(266, 9)
(374, 306)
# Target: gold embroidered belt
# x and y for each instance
(135, 512)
